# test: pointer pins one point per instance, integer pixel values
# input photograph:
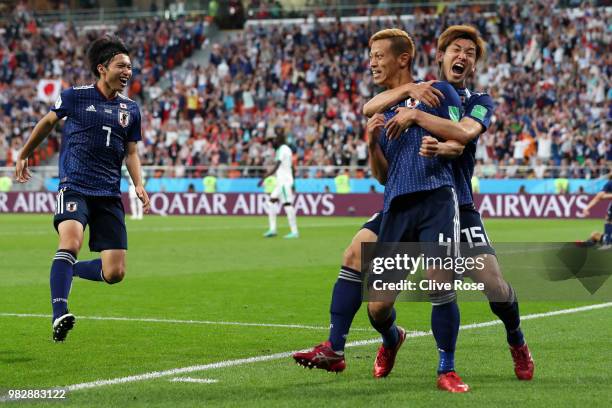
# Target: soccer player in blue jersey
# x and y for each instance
(101, 130)
(460, 48)
(346, 295)
(604, 194)
(420, 206)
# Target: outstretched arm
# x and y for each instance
(423, 91)
(602, 195)
(40, 132)
(132, 162)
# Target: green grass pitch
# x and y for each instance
(216, 271)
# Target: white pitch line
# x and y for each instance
(176, 321)
(194, 380)
(277, 356)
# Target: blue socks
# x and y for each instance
(607, 236)
(345, 302)
(90, 270)
(387, 329)
(61, 281)
(63, 268)
(445, 321)
(508, 313)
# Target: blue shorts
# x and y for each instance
(474, 238)
(609, 218)
(373, 224)
(104, 215)
(424, 216)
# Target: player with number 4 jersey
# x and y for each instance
(460, 48)
(101, 130)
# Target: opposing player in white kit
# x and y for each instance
(283, 191)
(136, 206)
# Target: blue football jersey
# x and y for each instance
(94, 139)
(408, 172)
(479, 107)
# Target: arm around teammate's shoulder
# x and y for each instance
(432, 147)
(423, 91)
(448, 123)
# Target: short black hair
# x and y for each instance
(102, 50)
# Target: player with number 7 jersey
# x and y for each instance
(95, 139)
(101, 130)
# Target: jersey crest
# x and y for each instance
(412, 103)
(124, 118)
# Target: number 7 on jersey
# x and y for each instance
(108, 134)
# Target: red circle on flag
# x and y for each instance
(49, 88)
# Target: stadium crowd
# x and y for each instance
(548, 71)
(30, 51)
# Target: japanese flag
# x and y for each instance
(49, 90)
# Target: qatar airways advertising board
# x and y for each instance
(320, 204)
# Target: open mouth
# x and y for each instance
(376, 73)
(458, 68)
(123, 80)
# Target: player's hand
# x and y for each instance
(22, 174)
(403, 119)
(375, 125)
(144, 197)
(430, 147)
(426, 93)
(585, 213)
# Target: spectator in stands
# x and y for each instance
(550, 80)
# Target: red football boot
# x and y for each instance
(385, 358)
(523, 362)
(451, 382)
(321, 356)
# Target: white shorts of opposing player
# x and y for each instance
(283, 192)
(136, 207)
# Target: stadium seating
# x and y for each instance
(546, 70)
